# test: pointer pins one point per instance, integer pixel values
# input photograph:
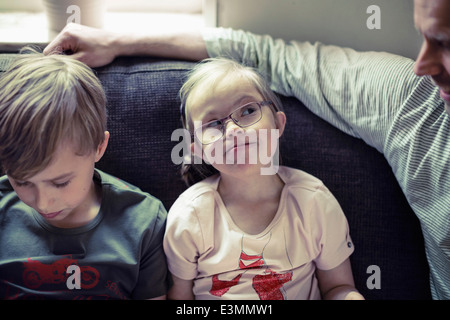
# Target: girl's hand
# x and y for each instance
(338, 283)
(354, 295)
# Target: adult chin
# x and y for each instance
(447, 107)
(446, 97)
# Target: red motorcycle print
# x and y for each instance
(37, 273)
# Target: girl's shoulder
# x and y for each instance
(197, 196)
(296, 178)
(200, 188)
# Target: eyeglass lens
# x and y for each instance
(244, 116)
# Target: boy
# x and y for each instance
(68, 230)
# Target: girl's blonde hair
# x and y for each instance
(206, 74)
(45, 101)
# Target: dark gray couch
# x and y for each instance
(143, 108)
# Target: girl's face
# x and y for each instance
(240, 151)
(63, 193)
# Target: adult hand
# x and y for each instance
(94, 47)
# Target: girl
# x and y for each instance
(245, 232)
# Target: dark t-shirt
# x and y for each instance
(118, 255)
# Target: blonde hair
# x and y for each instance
(208, 73)
(44, 101)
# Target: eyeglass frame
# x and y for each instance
(226, 119)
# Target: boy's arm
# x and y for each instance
(338, 283)
(181, 289)
(164, 297)
(97, 47)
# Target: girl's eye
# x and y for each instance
(214, 124)
(248, 111)
(62, 185)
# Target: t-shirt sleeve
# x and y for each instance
(154, 279)
(183, 240)
(330, 231)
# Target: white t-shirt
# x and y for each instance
(309, 231)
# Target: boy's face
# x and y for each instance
(64, 192)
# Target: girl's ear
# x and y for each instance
(280, 121)
(196, 150)
(102, 147)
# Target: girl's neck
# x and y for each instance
(249, 189)
(251, 202)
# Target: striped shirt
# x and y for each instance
(374, 96)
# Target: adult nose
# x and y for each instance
(428, 62)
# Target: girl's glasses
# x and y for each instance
(244, 116)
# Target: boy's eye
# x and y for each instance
(62, 185)
(21, 184)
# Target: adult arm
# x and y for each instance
(97, 47)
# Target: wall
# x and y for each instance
(339, 22)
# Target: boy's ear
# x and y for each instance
(102, 147)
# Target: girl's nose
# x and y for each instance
(231, 129)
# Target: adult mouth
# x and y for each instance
(444, 89)
(445, 95)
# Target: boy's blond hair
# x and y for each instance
(46, 101)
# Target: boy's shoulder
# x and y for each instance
(5, 188)
(116, 185)
(120, 192)
(4, 183)
(107, 179)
